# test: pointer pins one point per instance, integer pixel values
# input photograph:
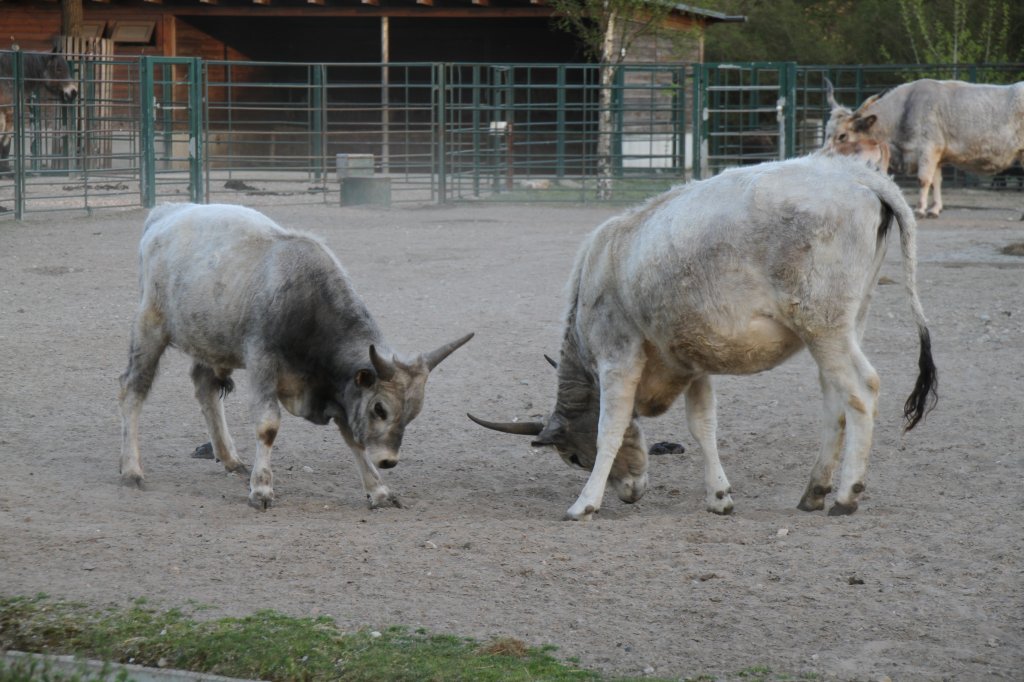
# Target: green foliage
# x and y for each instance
(966, 33)
(868, 31)
(608, 28)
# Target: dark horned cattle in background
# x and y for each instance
(929, 123)
(731, 275)
(44, 73)
(232, 289)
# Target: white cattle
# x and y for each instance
(731, 275)
(930, 123)
(232, 289)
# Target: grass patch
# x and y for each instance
(266, 645)
(270, 646)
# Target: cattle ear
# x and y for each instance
(864, 124)
(365, 378)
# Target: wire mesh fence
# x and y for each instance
(150, 129)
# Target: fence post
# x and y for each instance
(195, 137)
(560, 130)
(18, 150)
(789, 87)
(679, 120)
(147, 162)
(700, 120)
(618, 119)
(441, 71)
(317, 84)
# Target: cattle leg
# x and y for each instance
(210, 391)
(833, 429)
(147, 345)
(856, 384)
(702, 419)
(618, 394)
(936, 208)
(927, 170)
(377, 494)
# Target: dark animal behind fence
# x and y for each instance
(46, 74)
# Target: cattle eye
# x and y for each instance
(842, 137)
(379, 410)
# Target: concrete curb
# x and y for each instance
(70, 665)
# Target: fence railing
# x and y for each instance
(152, 129)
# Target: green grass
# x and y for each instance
(270, 646)
(265, 645)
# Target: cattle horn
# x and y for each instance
(517, 428)
(550, 361)
(385, 368)
(434, 357)
(830, 92)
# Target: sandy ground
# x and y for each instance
(925, 582)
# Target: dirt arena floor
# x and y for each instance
(925, 582)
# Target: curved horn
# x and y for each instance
(385, 368)
(434, 357)
(517, 428)
(551, 362)
(830, 93)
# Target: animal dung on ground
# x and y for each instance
(667, 448)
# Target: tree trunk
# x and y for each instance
(71, 18)
(604, 122)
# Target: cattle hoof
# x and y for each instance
(133, 481)
(811, 503)
(204, 451)
(240, 468)
(586, 515)
(383, 500)
(720, 502)
(842, 509)
(724, 510)
(261, 501)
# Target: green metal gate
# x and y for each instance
(171, 129)
(743, 113)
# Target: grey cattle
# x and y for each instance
(731, 275)
(232, 289)
(930, 123)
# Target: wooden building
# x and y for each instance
(519, 31)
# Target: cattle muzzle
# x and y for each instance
(69, 93)
(384, 459)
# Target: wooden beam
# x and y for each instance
(425, 3)
(261, 2)
(315, 2)
(370, 2)
(155, 2)
(208, 2)
(482, 3)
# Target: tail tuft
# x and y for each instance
(925, 394)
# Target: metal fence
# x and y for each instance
(153, 129)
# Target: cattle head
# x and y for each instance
(55, 75)
(571, 429)
(845, 125)
(382, 398)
